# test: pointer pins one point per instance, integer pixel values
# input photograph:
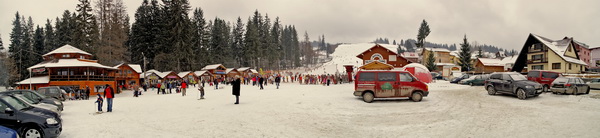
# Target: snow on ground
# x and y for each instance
(345, 54)
(295, 110)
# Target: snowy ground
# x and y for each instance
(317, 111)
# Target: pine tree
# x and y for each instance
(275, 47)
(423, 33)
(16, 47)
(479, 52)
(431, 61)
(49, 38)
(238, 42)
(64, 29)
(84, 23)
(399, 49)
(38, 45)
(200, 39)
(464, 55)
(113, 23)
(251, 40)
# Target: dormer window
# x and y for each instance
(66, 55)
(81, 57)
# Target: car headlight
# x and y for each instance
(51, 121)
(528, 87)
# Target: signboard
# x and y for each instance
(38, 70)
(220, 72)
(172, 77)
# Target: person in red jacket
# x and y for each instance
(183, 87)
(109, 94)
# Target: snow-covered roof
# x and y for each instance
(444, 64)
(183, 73)
(253, 71)
(199, 73)
(229, 70)
(153, 71)
(69, 63)
(36, 80)
(509, 60)
(454, 53)
(410, 55)
(163, 74)
(438, 49)
(243, 69)
(213, 66)
(66, 49)
(136, 67)
(491, 61)
(147, 74)
(559, 47)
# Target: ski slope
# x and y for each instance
(345, 54)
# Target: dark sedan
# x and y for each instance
(37, 97)
(569, 85)
(512, 83)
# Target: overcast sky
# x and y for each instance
(503, 23)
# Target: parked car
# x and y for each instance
(512, 83)
(6, 132)
(569, 85)
(437, 76)
(27, 120)
(476, 80)
(543, 77)
(46, 106)
(37, 97)
(389, 84)
(464, 81)
(594, 83)
(459, 78)
(54, 92)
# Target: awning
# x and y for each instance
(36, 80)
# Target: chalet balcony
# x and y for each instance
(531, 50)
(535, 61)
(81, 78)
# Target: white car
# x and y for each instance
(594, 84)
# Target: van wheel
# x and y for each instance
(416, 96)
(368, 97)
(521, 94)
(32, 132)
(491, 90)
(545, 89)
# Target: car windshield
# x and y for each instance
(561, 80)
(517, 77)
(472, 77)
(17, 104)
(25, 99)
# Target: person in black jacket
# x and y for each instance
(236, 89)
(261, 80)
(277, 81)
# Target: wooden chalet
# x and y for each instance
(232, 72)
(203, 76)
(68, 66)
(218, 70)
(168, 76)
(188, 76)
(382, 55)
(128, 74)
(152, 77)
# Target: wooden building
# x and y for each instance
(128, 74)
(382, 55)
(232, 72)
(68, 66)
(203, 76)
(540, 53)
(188, 76)
(217, 70)
(168, 76)
(489, 65)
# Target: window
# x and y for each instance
(569, 66)
(496, 76)
(367, 76)
(537, 46)
(66, 55)
(533, 74)
(405, 77)
(549, 75)
(81, 57)
(392, 57)
(569, 49)
(2, 107)
(555, 65)
(386, 76)
(536, 57)
(537, 67)
(506, 77)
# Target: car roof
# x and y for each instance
(382, 71)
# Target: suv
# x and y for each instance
(543, 77)
(27, 120)
(53, 91)
(36, 97)
(512, 83)
(389, 84)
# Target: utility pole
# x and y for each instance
(144, 69)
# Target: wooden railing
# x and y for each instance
(534, 61)
(81, 78)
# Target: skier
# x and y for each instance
(99, 101)
(201, 90)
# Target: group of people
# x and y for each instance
(179, 86)
(109, 94)
(77, 93)
(324, 79)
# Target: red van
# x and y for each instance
(543, 77)
(372, 84)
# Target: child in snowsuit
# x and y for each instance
(99, 101)
(201, 90)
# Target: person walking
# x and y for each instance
(216, 83)
(277, 81)
(136, 91)
(183, 87)
(158, 88)
(236, 89)
(87, 92)
(260, 82)
(109, 94)
(201, 90)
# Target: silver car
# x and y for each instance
(569, 85)
(594, 84)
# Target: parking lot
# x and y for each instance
(294, 110)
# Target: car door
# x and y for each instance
(507, 83)
(385, 83)
(407, 84)
(8, 120)
(595, 83)
(581, 87)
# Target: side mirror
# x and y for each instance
(509, 81)
(9, 111)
